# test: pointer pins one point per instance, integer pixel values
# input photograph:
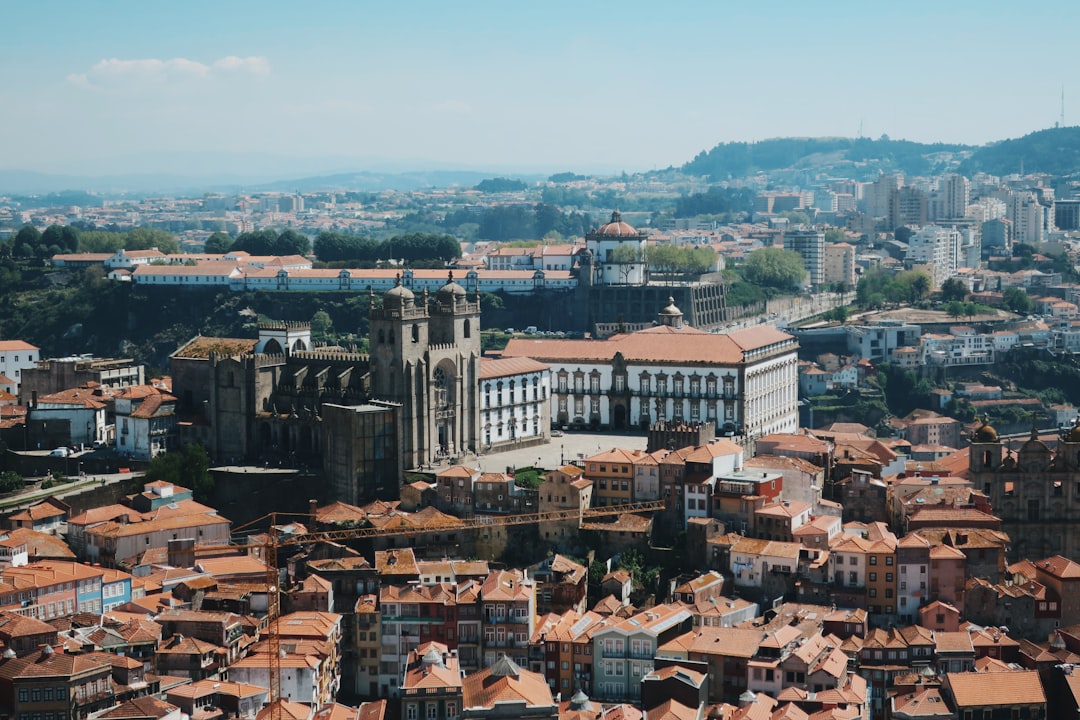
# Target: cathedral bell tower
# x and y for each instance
(426, 356)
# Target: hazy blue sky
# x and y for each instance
(125, 85)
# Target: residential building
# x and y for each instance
(145, 418)
(431, 685)
(15, 357)
(839, 265)
(612, 476)
(506, 691)
(623, 653)
(810, 244)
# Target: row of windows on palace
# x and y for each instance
(678, 410)
(645, 383)
(538, 393)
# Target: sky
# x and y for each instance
(101, 88)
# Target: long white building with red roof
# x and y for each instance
(746, 381)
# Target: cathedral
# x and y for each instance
(361, 418)
(1035, 490)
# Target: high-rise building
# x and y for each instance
(810, 244)
(951, 198)
(939, 249)
(840, 264)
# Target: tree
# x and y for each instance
(142, 238)
(187, 468)
(321, 325)
(10, 481)
(64, 237)
(840, 314)
(26, 240)
(291, 242)
(955, 308)
(497, 185)
(920, 285)
(835, 235)
(1017, 300)
(953, 289)
(218, 244)
(903, 233)
(774, 267)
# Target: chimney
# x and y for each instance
(313, 505)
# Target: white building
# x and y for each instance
(751, 559)
(617, 253)
(77, 410)
(145, 422)
(950, 200)
(515, 400)
(16, 356)
(937, 248)
(745, 380)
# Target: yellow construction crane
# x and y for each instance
(273, 542)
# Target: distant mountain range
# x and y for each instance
(793, 160)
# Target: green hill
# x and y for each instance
(1055, 151)
(857, 156)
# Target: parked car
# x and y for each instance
(60, 452)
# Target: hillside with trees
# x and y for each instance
(1055, 151)
(740, 159)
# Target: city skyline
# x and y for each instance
(104, 88)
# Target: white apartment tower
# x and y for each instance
(950, 200)
(939, 249)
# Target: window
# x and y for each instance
(873, 577)
(873, 559)
(410, 711)
(451, 710)
(432, 710)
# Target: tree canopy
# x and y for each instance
(774, 267)
(333, 246)
(270, 242)
(1017, 300)
(187, 468)
(500, 184)
(219, 243)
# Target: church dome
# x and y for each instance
(985, 433)
(617, 228)
(451, 291)
(1072, 435)
(398, 296)
(671, 310)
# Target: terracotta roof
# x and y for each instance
(6, 345)
(504, 367)
(989, 689)
(1059, 567)
(645, 347)
(143, 707)
(505, 682)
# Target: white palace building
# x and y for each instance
(746, 381)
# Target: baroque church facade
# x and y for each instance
(1035, 490)
(362, 418)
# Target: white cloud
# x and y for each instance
(254, 64)
(114, 72)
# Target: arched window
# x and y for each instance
(416, 332)
(468, 329)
